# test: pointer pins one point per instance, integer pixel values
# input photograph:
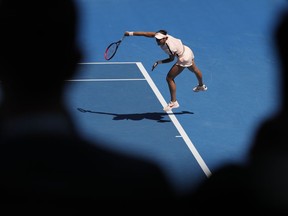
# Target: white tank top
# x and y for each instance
(173, 46)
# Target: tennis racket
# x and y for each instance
(112, 49)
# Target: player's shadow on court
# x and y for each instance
(157, 116)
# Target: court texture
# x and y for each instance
(122, 101)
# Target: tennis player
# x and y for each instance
(174, 47)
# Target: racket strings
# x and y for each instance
(111, 50)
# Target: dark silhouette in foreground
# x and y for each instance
(44, 162)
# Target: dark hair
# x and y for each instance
(162, 31)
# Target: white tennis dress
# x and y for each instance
(174, 46)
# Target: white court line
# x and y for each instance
(107, 63)
(102, 80)
(175, 121)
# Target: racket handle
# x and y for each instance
(155, 65)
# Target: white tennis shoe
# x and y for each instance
(200, 88)
(171, 105)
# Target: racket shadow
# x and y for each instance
(156, 116)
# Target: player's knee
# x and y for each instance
(169, 79)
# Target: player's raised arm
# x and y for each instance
(140, 33)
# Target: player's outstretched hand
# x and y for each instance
(128, 33)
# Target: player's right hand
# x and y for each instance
(128, 33)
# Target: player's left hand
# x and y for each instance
(155, 65)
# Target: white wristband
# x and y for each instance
(131, 33)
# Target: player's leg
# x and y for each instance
(198, 74)
(170, 78)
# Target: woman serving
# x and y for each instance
(185, 59)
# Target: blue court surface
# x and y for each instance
(121, 100)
